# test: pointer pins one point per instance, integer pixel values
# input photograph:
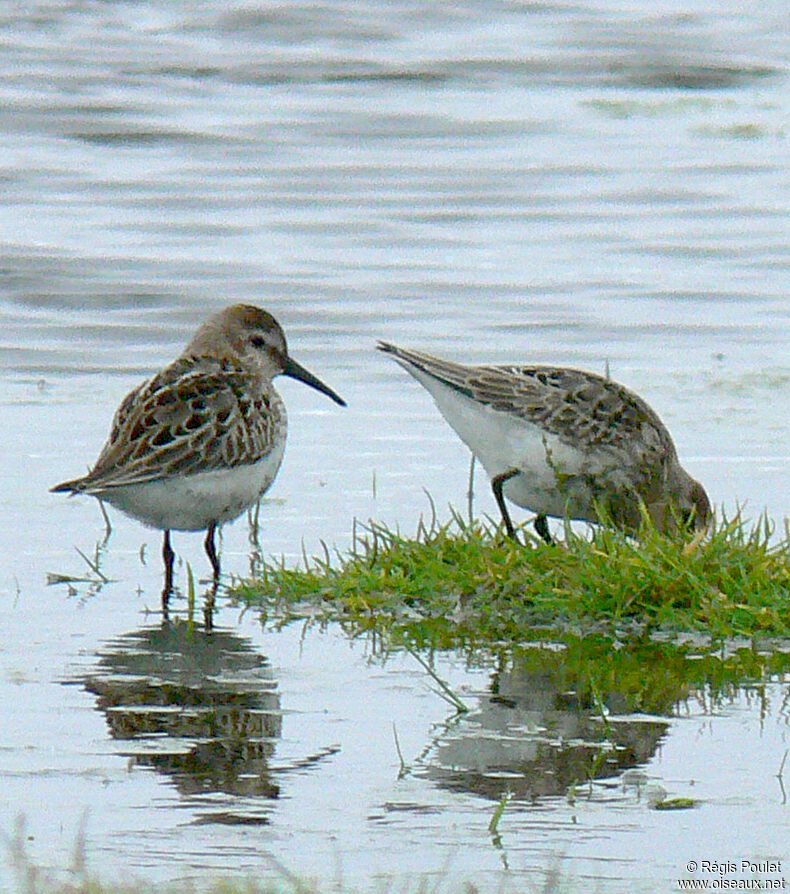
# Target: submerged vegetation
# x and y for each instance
(464, 584)
(30, 878)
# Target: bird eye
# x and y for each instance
(258, 341)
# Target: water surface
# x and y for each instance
(589, 184)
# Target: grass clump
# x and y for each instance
(460, 581)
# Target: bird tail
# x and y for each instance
(72, 487)
(454, 375)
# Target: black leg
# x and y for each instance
(208, 607)
(496, 486)
(168, 555)
(542, 527)
(211, 550)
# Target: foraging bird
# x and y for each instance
(563, 442)
(202, 440)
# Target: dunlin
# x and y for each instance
(202, 440)
(563, 442)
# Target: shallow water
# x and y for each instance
(584, 184)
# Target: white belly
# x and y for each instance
(193, 502)
(553, 474)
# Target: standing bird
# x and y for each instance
(563, 442)
(202, 440)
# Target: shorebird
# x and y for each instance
(201, 441)
(563, 442)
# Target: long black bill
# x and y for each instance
(297, 371)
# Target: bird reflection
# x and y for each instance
(534, 737)
(201, 707)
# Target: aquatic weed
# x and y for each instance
(463, 580)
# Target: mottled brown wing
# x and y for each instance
(580, 407)
(575, 405)
(189, 418)
(596, 415)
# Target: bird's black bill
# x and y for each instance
(297, 371)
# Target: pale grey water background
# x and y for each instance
(580, 183)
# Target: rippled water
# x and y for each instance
(583, 183)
